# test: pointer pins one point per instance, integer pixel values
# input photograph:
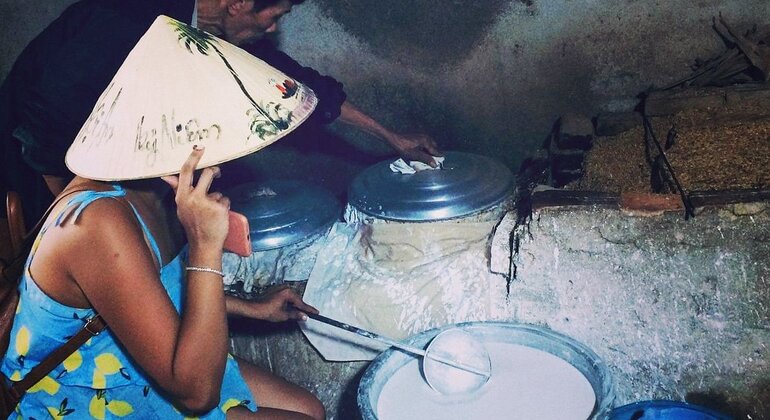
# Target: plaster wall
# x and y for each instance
(678, 309)
(491, 77)
(21, 21)
(485, 77)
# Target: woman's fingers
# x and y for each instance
(304, 307)
(225, 201)
(171, 180)
(206, 178)
(186, 175)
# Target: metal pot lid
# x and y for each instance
(467, 184)
(283, 212)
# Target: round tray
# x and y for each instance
(384, 366)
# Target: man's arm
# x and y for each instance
(419, 147)
(333, 105)
(277, 304)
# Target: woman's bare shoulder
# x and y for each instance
(89, 247)
(103, 218)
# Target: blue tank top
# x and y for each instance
(100, 380)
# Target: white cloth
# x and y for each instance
(397, 280)
(274, 266)
(414, 166)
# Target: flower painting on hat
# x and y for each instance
(179, 87)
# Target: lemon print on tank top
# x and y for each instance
(47, 385)
(22, 341)
(106, 365)
(100, 404)
(60, 412)
(21, 346)
(73, 362)
(232, 402)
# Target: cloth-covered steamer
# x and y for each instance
(413, 255)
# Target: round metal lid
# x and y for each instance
(467, 184)
(283, 212)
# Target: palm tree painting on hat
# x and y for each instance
(151, 114)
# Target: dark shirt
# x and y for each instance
(329, 91)
(56, 80)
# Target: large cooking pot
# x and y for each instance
(287, 221)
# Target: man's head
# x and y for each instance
(250, 20)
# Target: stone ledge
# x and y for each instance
(554, 198)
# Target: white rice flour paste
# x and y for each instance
(526, 384)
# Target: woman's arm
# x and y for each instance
(185, 355)
(278, 304)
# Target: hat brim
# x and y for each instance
(181, 87)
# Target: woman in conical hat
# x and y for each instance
(117, 250)
(142, 247)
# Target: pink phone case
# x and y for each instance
(238, 240)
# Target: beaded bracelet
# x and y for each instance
(205, 270)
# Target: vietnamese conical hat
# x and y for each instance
(181, 87)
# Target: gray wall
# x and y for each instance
(21, 21)
(491, 77)
(487, 76)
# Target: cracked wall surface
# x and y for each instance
(679, 309)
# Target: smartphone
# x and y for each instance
(238, 240)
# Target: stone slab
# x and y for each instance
(679, 309)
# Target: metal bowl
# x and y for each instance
(467, 184)
(582, 358)
(283, 212)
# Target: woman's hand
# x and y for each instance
(202, 214)
(278, 304)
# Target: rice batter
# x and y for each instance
(526, 383)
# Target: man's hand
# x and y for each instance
(419, 147)
(409, 146)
